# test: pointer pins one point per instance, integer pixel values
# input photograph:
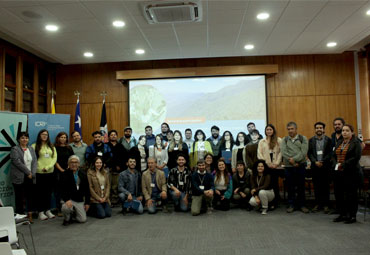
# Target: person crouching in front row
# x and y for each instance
(262, 192)
(129, 188)
(154, 187)
(75, 192)
(99, 189)
(202, 189)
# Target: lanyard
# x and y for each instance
(201, 180)
(259, 181)
(343, 146)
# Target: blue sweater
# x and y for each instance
(205, 180)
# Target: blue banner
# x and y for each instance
(54, 123)
(11, 124)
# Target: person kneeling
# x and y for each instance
(262, 192)
(223, 187)
(154, 187)
(179, 182)
(99, 189)
(241, 186)
(75, 192)
(202, 189)
(129, 188)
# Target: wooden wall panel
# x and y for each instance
(296, 76)
(364, 94)
(334, 74)
(300, 109)
(298, 92)
(2, 78)
(330, 107)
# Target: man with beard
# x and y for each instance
(98, 149)
(150, 138)
(128, 141)
(251, 126)
(319, 153)
(188, 138)
(78, 147)
(337, 135)
(117, 163)
(215, 141)
(164, 130)
(129, 188)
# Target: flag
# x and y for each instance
(77, 126)
(103, 123)
(52, 106)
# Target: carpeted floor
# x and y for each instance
(226, 233)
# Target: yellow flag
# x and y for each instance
(52, 106)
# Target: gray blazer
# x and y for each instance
(18, 168)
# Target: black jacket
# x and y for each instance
(69, 189)
(243, 183)
(119, 157)
(327, 151)
(351, 165)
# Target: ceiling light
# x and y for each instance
(52, 28)
(263, 16)
(368, 12)
(118, 23)
(140, 51)
(88, 54)
(249, 46)
(331, 44)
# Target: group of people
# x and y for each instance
(195, 173)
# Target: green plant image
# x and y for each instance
(147, 107)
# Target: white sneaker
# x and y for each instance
(264, 211)
(42, 216)
(49, 214)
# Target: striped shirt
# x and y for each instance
(341, 151)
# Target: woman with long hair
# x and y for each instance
(46, 159)
(176, 147)
(226, 147)
(223, 187)
(199, 148)
(261, 189)
(64, 151)
(159, 153)
(346, 157)
(99, 189)
(237, 150)
(269, 151)
(23, 174)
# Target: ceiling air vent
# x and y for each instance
(172, 11)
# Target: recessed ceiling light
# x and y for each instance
(368, 12)
(88, 54)
(118, 23)
(52, 28)
(263, 16)
(249, 46)
(140, 51)
(331, 44)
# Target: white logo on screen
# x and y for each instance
(40, 124)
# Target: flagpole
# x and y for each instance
(53, 93)
(103, 120)
(77, 122)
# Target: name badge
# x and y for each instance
(181, 183)
(100, 153)
(201, 187)
(46, 155)
(176, 149)
(152, 185)
(102, 187)
(241, 181)
(227, 149)
(78, 187)
(319, 152)
(337, 167)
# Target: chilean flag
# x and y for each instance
(77, 126)
(103, 123)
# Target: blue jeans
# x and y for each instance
(153, 209)
(295, 181)
(179, 201)
(101, 210)
(123, 198)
